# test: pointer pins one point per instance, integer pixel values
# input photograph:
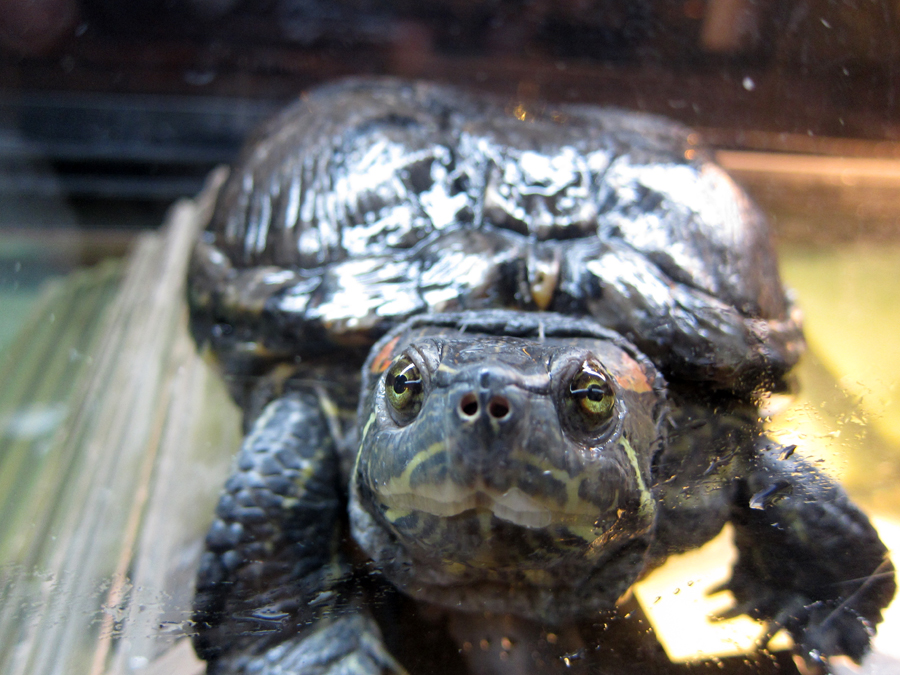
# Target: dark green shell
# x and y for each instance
(371, 201)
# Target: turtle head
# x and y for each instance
(499, 459)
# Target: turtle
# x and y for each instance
(497, 361)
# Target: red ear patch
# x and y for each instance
(630, 375)
(381, 362)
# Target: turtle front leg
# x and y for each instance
(273, 592)
(808, 559)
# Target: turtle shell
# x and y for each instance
(372, 200)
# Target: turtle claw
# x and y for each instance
(770, 630)
(819, 629)
(829, 630)
(811, 664)
(747, 606)
(718, 588)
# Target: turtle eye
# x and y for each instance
(593, 394)
(403, 386)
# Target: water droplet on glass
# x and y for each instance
(771, 495)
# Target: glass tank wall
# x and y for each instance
(115, 436)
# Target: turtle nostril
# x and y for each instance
(498, 408)
(468, 405)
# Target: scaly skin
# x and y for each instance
(269, 589)
(808, 559)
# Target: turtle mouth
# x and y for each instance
(513, 506)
